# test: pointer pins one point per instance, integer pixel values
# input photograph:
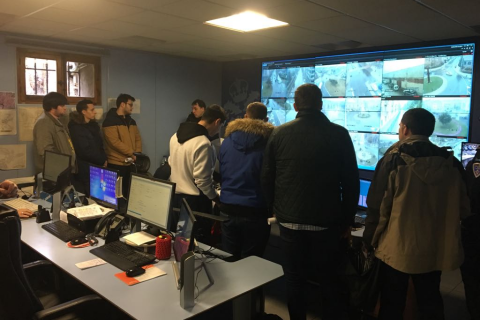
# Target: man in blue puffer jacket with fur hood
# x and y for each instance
(246, 231)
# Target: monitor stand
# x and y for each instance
(56, 205)
(38, 187)
(203, 265)
(58, 199)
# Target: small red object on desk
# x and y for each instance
(163, 250)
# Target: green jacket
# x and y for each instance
(53, 135)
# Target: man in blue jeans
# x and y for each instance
(246, 231)
(310, 178)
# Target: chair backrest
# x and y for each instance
(17, 299)
(163, 172)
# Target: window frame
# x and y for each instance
(61, 59)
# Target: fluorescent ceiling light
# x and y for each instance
(246, 21)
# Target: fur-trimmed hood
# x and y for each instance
(248, 134)
(257, 127)
(77, 117)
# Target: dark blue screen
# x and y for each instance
(102, 185)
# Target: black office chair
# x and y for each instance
(142, 164)
(17, 298)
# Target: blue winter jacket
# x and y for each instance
(241, 156)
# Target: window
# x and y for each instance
(40, 72)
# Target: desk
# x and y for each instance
(159, 296)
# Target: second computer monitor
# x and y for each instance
(184, 233)
(364, 187)
(54, 164)
(103, 183)
(150, 200)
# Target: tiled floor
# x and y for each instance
(451, 288)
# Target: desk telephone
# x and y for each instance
(111, 222)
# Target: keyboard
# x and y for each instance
(63, 231)
(122, 255)
(86, 212)
(20, 203)
(360, 218)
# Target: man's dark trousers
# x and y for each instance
(393, 294)
(318, 251)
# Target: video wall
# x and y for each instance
(368, 93)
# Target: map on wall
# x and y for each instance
(27, 116)
(13, 157)
(8, 122)
(7, 100)
(8, 114)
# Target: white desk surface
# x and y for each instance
(158, 297)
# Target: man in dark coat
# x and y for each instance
(87, 141)
(310, 178)
(198, 108)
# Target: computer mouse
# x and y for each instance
(78, 241)
(135, 271)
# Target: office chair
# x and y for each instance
(142, 164)
(17, 298)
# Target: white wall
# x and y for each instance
(165, 85)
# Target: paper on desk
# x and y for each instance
(90, 263)
(139, 238)
(150, 273)
(63, 216)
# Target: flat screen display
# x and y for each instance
(103, 183)
(150, 200)
(469, 149)
(368, 93)
(54, 164)
(364, 187)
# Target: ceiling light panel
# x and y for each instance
(246, 21)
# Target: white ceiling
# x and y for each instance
(176, 27)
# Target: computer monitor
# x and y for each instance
(104, 183)
(469, 149)
(364, 186)
(54, 164)
(151, 200)
(184, 233)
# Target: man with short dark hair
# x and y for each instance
(192, 160)
(122, 138)
(415, 203)
(198, 108)
(88, 143)
(310, 178)
(246, 231)
(51, 132)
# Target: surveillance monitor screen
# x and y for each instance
(150, 200)
(54, 164)
(368, 93)
(103, 183)
(469, 149)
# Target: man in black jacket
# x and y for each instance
(88, 143)
(310, 178)
(198, 108)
